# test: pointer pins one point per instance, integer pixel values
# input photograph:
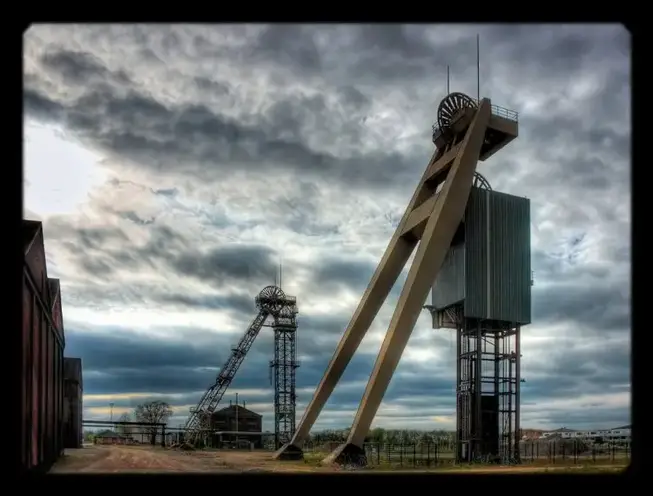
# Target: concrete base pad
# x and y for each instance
(347, 454)
(288, 452)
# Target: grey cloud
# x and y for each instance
(125, 361)
(119, 363)
(39, 105)
(595, 307)
(79, 67)
(211, 86)
(280, 41)
(133, 124)
(596, 416)
(133, 216)
(352, 273)
(171, 193)
(237, 262)
(239, 304)
(345, 109)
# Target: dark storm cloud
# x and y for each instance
(604, 365)
(229, 262)
(126, 362)
(325, 324)
(211, 86)
(574, 292)
(350, 273)
(222, 265)
(106, 295)
(170, 192)
(595, 416)
(280, 42)
(79, 67)
(238, 262)
(570, 85)
(595, 307)
(133, 216)
(131, 123)
(39, 105)
(240, 304)
(120, 362)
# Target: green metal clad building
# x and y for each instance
(488, 267)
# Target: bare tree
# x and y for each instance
(125, 430)
(153, 412)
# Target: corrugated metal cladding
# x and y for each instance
(491, 269)
(450, 285)
(73, 407)
(41, 358)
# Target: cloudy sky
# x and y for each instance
(175, 167)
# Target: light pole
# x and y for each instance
(111, 412)
(236, 420)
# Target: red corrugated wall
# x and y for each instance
(26, 366)
(57, 317)
(41, 364)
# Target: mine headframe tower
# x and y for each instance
(270, 302)
(467, 132)
(283, 369)
(483, 292)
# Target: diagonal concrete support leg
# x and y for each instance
(382, 282)
(436, 238)
(396, 255)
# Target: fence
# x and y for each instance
(434, 454)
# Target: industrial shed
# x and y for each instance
(41, 357)
(73, 404)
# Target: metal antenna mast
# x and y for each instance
(478, 68)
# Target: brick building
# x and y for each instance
(236, 425)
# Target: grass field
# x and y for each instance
(420, 457)
(147, 459)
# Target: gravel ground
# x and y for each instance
(146, 459)
(111, 459)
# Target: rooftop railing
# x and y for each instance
(495, 109)
(505, 113)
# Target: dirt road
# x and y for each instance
(111, 459)
(145, 459)
(125, 459)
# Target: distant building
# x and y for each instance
(111, 437)
(236, 424)
(616, 434)
(528, 434)
(72, 404)
(144, 437)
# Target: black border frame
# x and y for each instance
(13, 202)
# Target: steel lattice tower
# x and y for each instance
(283, 369)
(271, 301)
(483, 292)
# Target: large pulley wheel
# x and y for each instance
(450, 106)
(270, 299)
(481, 182)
